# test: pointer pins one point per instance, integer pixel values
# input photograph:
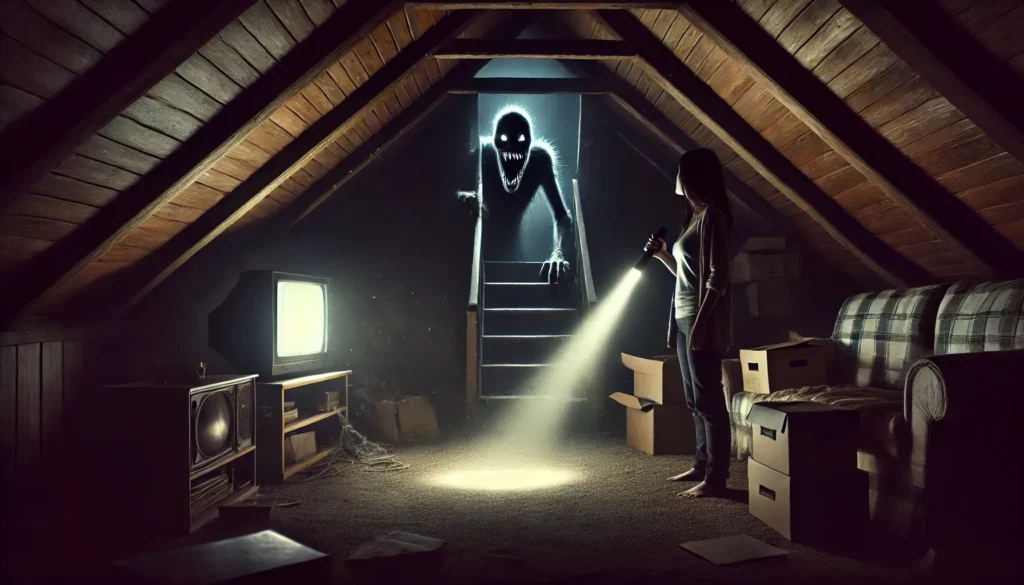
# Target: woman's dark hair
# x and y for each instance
(702, 176)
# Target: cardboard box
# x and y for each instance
(753, 267)
(657, 379)
(764, 245)
(410, 420)
(791, 364)
(804, 438)
(769, 298)
(657, 429)
(416, 420)
(298, 446)
(830, 508)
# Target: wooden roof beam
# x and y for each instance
(535, 49)
(57, 265)
(51, 132)
(701, 101)
(152, 270)
(529, 85)
(979, 84)
(628, 100)
(810, 100)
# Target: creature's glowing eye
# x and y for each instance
(522, 138)
(504, 138)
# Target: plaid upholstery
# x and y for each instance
(879, 335)
(981, 317)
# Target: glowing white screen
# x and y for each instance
(300, 318)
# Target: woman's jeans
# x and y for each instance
(702, 382)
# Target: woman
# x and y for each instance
(700, 322)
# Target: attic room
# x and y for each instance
(372, 291)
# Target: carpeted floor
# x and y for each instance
(618, 519)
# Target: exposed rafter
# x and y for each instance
(810, 100)
(52, 131)
(720, 118)
(155, 268)
(535, 49)
(628, 100)
(979, 84)
(529, 85)
(65, 259)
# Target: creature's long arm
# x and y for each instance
(562, 220)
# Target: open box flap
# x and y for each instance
(768, 416)
(775, 415)
(647, 365)
(785, 345)
(634, 402)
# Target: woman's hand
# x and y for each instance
(656, 247)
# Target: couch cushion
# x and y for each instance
(879, 335)
(981, 317)
(883, 430)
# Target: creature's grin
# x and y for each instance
(512, 166)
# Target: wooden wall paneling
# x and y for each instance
(41, 206)
(294, 18)
(55, 128)
(52, 395)
(29, 413)
(30, 72)
(963, 70)
(290, 161)
(904, 182)
(981, 173)
(215, 139)
(27, 26)
(8, 443)
(733, 130)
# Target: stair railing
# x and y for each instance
(587, 294)
(474, 315)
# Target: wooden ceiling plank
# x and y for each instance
(981, 85)
(734, 131)
(290, 161)
(535, 49)
(53, 130)
(230, 127)
(849, 135)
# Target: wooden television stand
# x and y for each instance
(272, 430)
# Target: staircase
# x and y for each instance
(524, 322)
(517, 321)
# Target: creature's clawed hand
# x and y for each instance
(470, 200)
(554, 268)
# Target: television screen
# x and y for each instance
(301, 318)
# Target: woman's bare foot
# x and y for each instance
(692, 475)
(704, 490)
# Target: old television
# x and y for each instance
(274, 323)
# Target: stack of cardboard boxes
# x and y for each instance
(658, 421)
(763, 270)
(802, 474)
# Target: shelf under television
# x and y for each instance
(222, 462)
(203, 518)
(306, 421)
(300, 381)
(311, 460)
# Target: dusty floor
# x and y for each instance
(616, 519)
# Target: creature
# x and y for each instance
(514, 165)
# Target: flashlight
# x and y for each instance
(642, 262)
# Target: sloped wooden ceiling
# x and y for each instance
(828, 41)
(882, 193)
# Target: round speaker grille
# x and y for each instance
(213, 424)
